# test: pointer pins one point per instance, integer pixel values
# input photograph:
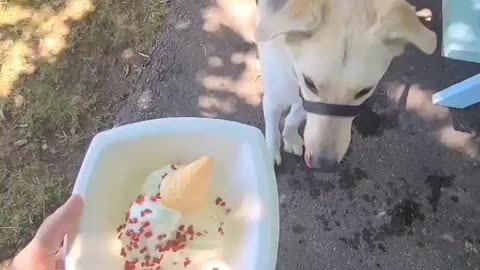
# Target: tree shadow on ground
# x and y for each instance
(414, 77)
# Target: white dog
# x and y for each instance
(323, 59)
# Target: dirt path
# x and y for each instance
(195, 72)
(406, 196)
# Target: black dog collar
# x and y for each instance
(328, 109)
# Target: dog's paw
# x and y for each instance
(273, 141)
(278, 158)
(293, 143)
(274, 151)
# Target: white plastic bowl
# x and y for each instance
(118, 160)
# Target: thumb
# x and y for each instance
(64, 220)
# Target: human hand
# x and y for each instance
(44, 252)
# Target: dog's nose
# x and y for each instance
(325, 165)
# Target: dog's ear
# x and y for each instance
(398, 24)
(296, 16)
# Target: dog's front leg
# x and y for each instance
(272, 113)
(292, 141)
(280, 89)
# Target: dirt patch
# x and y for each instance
(349, 178)
(437, 183)
(65, 67)
(403, 215)
(298, 229)
(402, 218)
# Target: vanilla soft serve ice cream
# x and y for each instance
(152, 229)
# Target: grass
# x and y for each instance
(62, 76)
(49, 110)
(28, 195)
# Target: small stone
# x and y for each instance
(76, 100)
(21, 142)
(447, 237)
(469, 248)
(127, 54)
(44, 146)
(283, 197)
(18, 101)
(182, 25)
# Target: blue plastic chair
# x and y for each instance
(461, 41)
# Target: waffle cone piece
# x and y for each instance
(186, 190)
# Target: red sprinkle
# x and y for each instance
(140, 199)
(156, 260)
(218, 201)
(135, 237)
(143, 250)
(180, 237)
(181, 227)
(186, 262)
(223, 204)
(133, 221)
(148, 234)
(179, 247)
(120, 228)
(173, 167)
(135, 245)
(129, 265)
(191, 232)
(162, 236)
(147, 259)
(154, 198)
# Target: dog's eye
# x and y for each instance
(309, 83)
(363, 92)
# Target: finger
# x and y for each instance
(60, 259)
(64, 220)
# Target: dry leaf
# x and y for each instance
(21, 142)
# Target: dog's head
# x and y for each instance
(339, 50)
